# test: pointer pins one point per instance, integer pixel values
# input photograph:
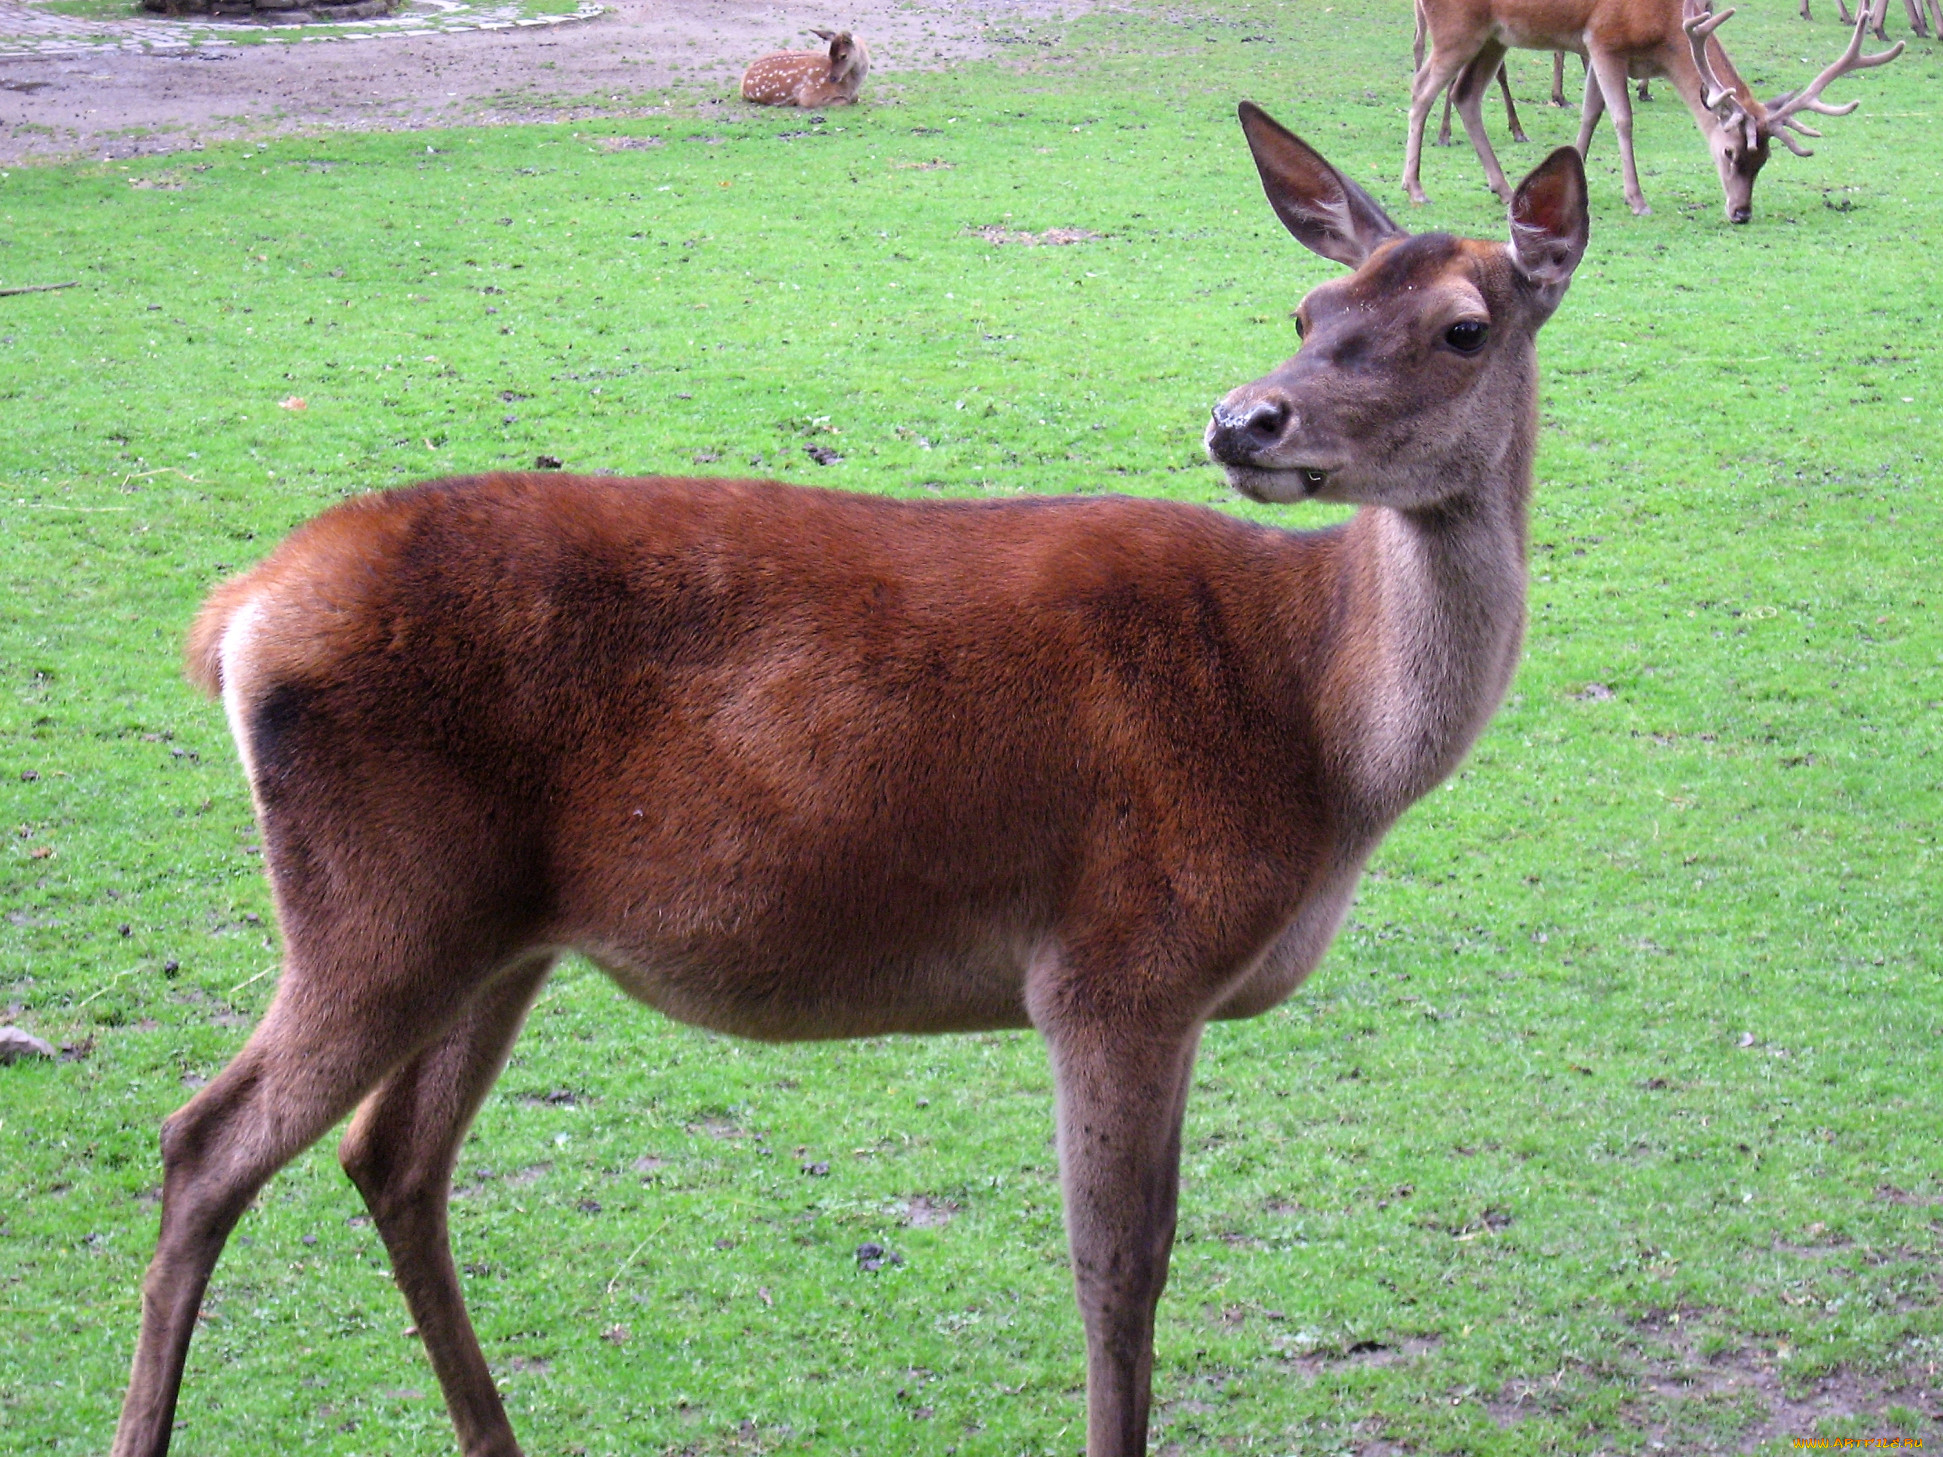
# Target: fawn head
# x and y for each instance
(847, 54)
(1416, 369)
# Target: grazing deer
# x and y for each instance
(1620, 38)
(809, 78)
(791, 763)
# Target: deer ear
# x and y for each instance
(824, 34)
(1327, 212)
(1550, 224)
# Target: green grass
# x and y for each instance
(1623, 1074)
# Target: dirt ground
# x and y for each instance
(126, 103)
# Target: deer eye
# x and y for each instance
(1467, 336)
(1301, 328)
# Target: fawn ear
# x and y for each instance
(1550, 224)
(1327, 212)
(824, 34)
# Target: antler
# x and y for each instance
(1782, 109)
(1700, 23)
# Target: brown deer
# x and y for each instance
(791, 763)
(809, 78)
(1620, 38)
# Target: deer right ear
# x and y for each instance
(1550, 224)
(1327, 212)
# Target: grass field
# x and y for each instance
(1608, 1126)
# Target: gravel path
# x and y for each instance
(137, 95)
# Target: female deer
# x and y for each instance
(790, 763)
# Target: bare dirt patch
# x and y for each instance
(1691, 1399)
(122, 104)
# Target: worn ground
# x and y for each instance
(110, 105)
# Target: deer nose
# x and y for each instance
(1241, 428)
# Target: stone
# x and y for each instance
(16, 1044)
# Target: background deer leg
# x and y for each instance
(1590, 111)
(1469, 96)
(1843, 7)
(399, 1151)
(1444, 127)
(1918, 23)
(1432, 81)
(1558, 76)
(1877, 17)
(1610, 72)
(325, 1040)
(1119, 1111)
(1510, 111)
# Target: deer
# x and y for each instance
(1622, 38)
(809, 78)
(794, 763)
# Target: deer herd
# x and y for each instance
(794, 764)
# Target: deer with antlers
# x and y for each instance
(792, 763)
(1621, 39)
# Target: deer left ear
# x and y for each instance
(1550, 224)
(1327, 212)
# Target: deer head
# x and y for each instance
(1410, 367)
(1744, 125)
(846, 53)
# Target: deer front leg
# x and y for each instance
(399, 1151)
(1918, 23)
(1120, 1090)
(1558, 76)
(1609, 71)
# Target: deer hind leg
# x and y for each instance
(1558, 76)
(399, 1151)
(330, 1035)
(1608, 72)
(1432, 80)
(1121, 1092)
(1510, 109)
(1918, 23)
(1468, 93)
(1444, 127)
(1877, 18)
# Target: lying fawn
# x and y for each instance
(792, 763)
(809, 78)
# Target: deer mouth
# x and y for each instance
(1277, 485)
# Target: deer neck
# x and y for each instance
(1431, 617)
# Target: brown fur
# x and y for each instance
(791, 763)
(809, 78)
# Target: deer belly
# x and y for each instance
(736, 988)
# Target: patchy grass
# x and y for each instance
(1610, 1120)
